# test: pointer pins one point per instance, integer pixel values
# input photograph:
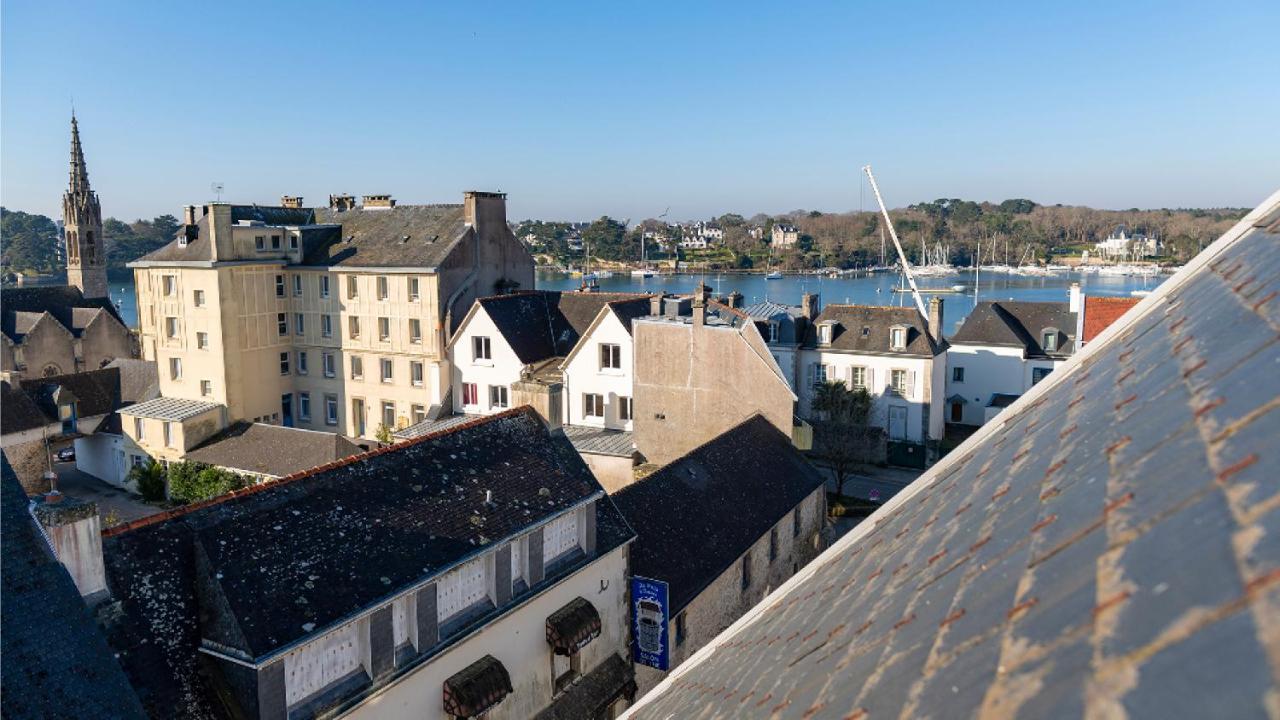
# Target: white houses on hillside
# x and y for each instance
(1001, 350)
(892, 352)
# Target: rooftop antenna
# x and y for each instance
(216, 188)
(906, 266)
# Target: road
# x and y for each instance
(115, 506)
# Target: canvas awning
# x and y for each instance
(478, 687)
(571, 627)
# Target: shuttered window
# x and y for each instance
(404, 620)
(319, 664)
(560, 536)
(461, 588)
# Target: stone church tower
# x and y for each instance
(82, 221)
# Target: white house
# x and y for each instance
(892, 352)
(1001, 350)
(599, 372)
(1120, 245)
(783, 328)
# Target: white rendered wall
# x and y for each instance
(503, 367)
(879, 368)
(988, 369)
(106, 457)
(584, 375)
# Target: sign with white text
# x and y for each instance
(649, 623)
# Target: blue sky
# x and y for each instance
(583, 109)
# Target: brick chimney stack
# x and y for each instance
(75, 531)
(655, 304)
(291, 201)
(935, 318)
(700, 295)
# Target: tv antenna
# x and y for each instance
(216, 188)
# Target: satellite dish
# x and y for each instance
(217, 189)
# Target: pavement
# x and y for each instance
(115, 506)
(873, 483)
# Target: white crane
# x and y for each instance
(906, 266)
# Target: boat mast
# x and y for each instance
(906, 266)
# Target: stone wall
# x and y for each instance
(29, 461)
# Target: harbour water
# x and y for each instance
(865, 290)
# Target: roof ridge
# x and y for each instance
(730, 308)
(646, 478)
(303, 474)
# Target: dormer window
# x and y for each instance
(898, 338)
(1049, 340)
(825, 333)
(773, 332)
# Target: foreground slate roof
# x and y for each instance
(271, 449)
(55, 662)
(292, 558)
(1109, 547)
(1017, 323)
(544, 324)
(21, 308)
(697, 515)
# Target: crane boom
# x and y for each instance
(906, 266)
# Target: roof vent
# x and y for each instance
(349, 238)
(404, 239)
(488, 497)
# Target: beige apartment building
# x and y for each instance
(325, 318)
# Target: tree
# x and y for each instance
(149, 479)
(192, 482)
(842, 435)
(383, 434)
(30, 242)
(607, 237)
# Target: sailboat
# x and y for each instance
(772, 274)
(644, 271)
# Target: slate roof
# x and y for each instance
(291, 558)
(375, 238)
(20, 308)
(271, 449)
(32, 403)
(197, 246)
(696, 516)
(56, 663)
(601, 441)
(1100, 312)
(1108, 548)
(865, 329)
(544, 324)
(19, 411)
(1016, 323)
(139, 379)
(167, 408)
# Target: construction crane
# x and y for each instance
(906, 266)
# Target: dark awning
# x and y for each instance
(478, 687)
(571, 627)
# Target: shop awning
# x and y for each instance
(478, 687)
(571, 627)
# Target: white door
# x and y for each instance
(897, 422)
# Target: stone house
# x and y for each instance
(478, 571)
(722, 526)
(56, 330)
(784, 235)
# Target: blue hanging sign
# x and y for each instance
(649, 622)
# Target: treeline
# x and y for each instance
(1017, 229)
(31, 243)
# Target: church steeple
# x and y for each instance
(82, 225)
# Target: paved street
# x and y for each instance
(869, 480)
(114, 505)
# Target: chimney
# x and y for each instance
(75, 532)
(488, 208)
(655, 304)
(1074, 303)
(935, 318)
(810, 306)
(342, 203)
(735, 299)
(220, 231)
(189, 215)
(378, 202)
(700, 305)
(291, 201)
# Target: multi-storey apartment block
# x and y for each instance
(326, 318)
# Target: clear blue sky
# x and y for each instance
(583, 109)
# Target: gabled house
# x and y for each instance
(480, 571)
(56, 330)
(1002, 349)
(268, 452)
(895, 355)
(599, 371)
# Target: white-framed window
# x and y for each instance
(353, 288)
(304, 406)
(625, 411)
(610, 356)
(139, 428)
(326, 359)
(353, 327)
(202, 341)
(175, 368)
(302, 362)
(324, 286)
(171, 327)
(284, 363)
(206, 388)
(357, 367)
(384, 329)
(470, 394)
(297, 285)
(330, 409)
(858, 377)
(415, 373)
(282, 323)
(592, 405)
(415, 331)
(497, 396)
(382, 287)
(168, 433)
(419, 413)
(957, 374)
(1049, 340)
(298, 323)
(169, 283)
(279, 284)
(389, 414)
(413, 289)
(326, 325)
(900, 381)
(480, 349)
(773, 332)
(197, 298)
(560, 536)
(1038, 374)
(824, 333)
(462, 588)
(387, 368)
(898, 338)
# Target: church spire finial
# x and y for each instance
(79, 172)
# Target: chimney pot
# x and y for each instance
(810, 305)
(189, 215)
(291, 201)
(1074, 304)
(655, 304)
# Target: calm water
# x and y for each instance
(874, 290)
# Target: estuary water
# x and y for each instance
(865, 290)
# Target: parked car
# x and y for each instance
(67, 454)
